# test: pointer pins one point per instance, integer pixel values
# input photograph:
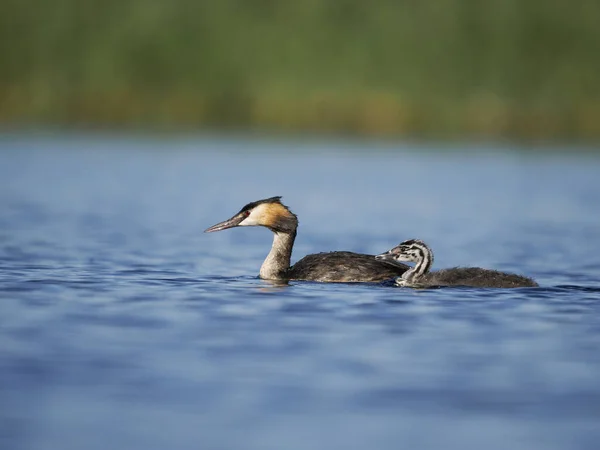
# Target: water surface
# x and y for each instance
(122, 325)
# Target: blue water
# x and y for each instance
(123, 326)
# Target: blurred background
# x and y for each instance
(444, 69)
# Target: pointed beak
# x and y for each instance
(229, 223)
(387, 256)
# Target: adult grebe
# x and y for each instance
(419, 276)
(330, 267)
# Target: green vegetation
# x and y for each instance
(446, 68)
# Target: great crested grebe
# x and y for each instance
(329, 267)
(419, 276)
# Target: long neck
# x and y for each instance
(422, 265)
(278, 259)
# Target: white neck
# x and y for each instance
(278, 260)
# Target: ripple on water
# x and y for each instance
(120, 319)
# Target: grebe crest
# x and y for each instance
(415, 250)
(270, 213)
(328, 267)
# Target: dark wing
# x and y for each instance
(344, 267)
(477, 277)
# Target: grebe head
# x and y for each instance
(270, 213)
(413, 250)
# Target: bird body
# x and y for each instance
(419, 276)
(326, 267)
(343, 267)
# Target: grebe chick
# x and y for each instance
(328, 267)
(419, 276)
